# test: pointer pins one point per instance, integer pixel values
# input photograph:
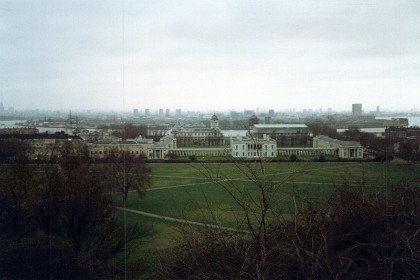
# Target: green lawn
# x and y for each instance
(189, 191)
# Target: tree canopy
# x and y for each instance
(59, 222)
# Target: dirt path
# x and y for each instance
(182, 221)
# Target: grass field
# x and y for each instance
(190, 190)
(195, 191)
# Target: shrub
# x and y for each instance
(352, 236)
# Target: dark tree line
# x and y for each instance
(129, 131)
(59, 222)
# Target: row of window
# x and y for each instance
(106, 152)
(255, 147)
(255, 154)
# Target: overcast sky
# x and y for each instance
(209, 55)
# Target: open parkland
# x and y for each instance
(195, 194)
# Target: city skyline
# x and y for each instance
(10, 108)
(207, 55)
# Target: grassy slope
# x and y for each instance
(191, 193)
(187, 192)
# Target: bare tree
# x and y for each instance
(66, 205)
(126, 172)
(16, 181)
(353, 234)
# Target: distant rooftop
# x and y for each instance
(38, 136)
(164, 142)
(285, 125)
(339, 142)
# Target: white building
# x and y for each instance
(247, 147)
(159, 150)
(345, 149)
(134, 147)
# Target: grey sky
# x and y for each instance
(209, 54)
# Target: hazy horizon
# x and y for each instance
(209, 55)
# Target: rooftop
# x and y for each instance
(340, 142)
(285, 125)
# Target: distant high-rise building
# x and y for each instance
(136, 112)
(147, 112)
(178, 112)
(271, 113)
(377, 109)
(167, 113)
(356, 110)
(160, 112)
(1, 107)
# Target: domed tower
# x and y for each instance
(253, 120)
(214, 121)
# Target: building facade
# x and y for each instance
(56, 149)
(19, 130)
(356, 110)
(103, 148)
(248, 147)
(199, 135)
(344, 149)
(285, 135)
(160, 149)
(399, 133)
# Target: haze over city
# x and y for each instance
(209, 55)
(209, 139)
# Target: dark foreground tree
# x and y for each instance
(409, 150)
(40, 257)
(17, 179)
(67, 227)
(351, 235)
